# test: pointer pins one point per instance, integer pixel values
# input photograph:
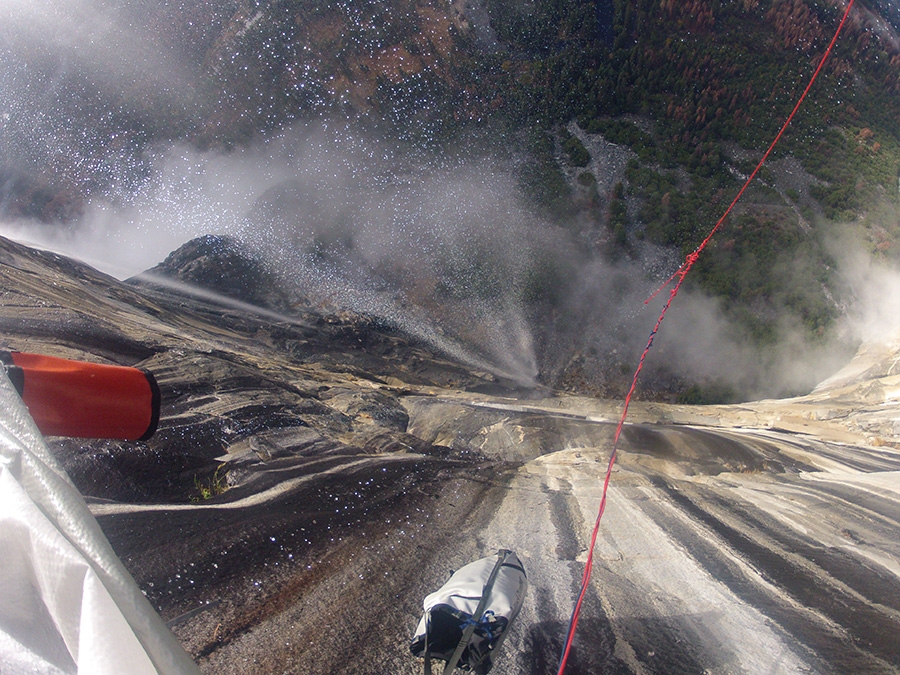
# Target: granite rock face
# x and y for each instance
(220, 264)
(315, 475)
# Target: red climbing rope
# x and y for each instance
(678, 277)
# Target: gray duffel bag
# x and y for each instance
(467, 619)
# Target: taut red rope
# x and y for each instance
(680, 275)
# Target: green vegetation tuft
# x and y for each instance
(574, 148)
(213, 486)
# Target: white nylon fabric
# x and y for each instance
(67, 604)
(464, 588)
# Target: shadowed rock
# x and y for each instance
(220, 264)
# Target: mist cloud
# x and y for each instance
(447, 248)
(85, 88)
(873, 296)
(452, 252)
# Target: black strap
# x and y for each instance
(427, 646)
(15, 374)
(470, 629)
(155, 401)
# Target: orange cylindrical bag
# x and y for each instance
(85, 400)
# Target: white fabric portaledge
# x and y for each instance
(67, 604)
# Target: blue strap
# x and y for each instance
(484, 623)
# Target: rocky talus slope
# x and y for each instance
(314, 476)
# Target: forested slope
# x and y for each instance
(628, 124)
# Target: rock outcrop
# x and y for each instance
(221, 265)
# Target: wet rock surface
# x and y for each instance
(221, 264)
(315, 476)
